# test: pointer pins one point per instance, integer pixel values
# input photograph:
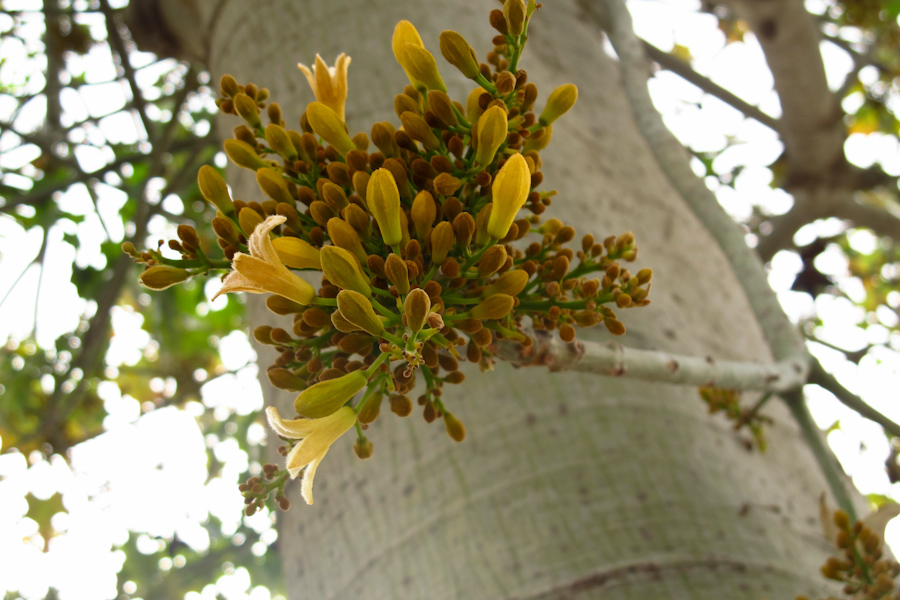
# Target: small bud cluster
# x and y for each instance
(866, 574)
(425, 258)
(256, 490)
(728, 402)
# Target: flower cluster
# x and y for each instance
(863, 569)
(431, 245)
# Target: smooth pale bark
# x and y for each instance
(568, 486)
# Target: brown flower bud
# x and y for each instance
(614, 326)
(506, 82)
(396, 271)
(459, 53)
(498, 21)
(442, 240)
(363, 448)
(450, 268)
(401, 405)
(247, 108)
(228, 85)
(435, 321)
(491, 261)
(342, 268)
(371, 408)
(416, 127)
(333, 195)
(283, 306)
(321, 212)
(273, 184)
(424, 211)
(284, 379)
(383, 138)
(403, 103)
(464, 226)
(416, 308)
(446, 184)
(514, 13)
(441, 105)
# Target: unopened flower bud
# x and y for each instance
(228, 85)
(297, 253)
(464, 226)
(363, 448)
(441, 105)
(248, 109)
(283, 306)
(396, 271)
(459, 53)
(419, 63)
(285, 379)
(329, 126)
(435, 321)
(343, 235)
(416, 308)
(383, 137)
(273, 184)
(510, 283)
(160, 277)
(326, 397)
(355, 308)
(492, 128)
(539, 142)
(494, 307)
(371, 408)
(213, 188)
(243, 155)
(405, 33)
(401, 405)
(280, 142)
(482, 236)
(419, 130)
(249, 219)
(491, 261)
(383, 200)
(442, 240)
(446, 184)
(424, 211)
(510, 191)
(473, 104)
(403, 103)
(343, 270)
(561, 100)
(455, 429)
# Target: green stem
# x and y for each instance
(385, 312)
(393, 339)
(319, 301)
(451, 299)
(378, 362)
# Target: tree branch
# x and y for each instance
(615, 360)
(684, 70)
(782, 336)
(811, 124)
(826, 380)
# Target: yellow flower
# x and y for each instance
(262, 271)
(329, 84)
(510, 191)
(316, 435)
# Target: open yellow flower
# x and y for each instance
(316, 435)
(262, 271)
(329, 84)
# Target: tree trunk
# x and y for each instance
(568, 486)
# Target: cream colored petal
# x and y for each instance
(261, 244)
(309, 77)
(306, 484)
(326, 431)
(276, 279)
(294, 429)
(236, 282)
(291, 464)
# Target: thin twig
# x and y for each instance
(684, 70)
(823, 378)
(615, 360)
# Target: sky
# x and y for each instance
(114, 486)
